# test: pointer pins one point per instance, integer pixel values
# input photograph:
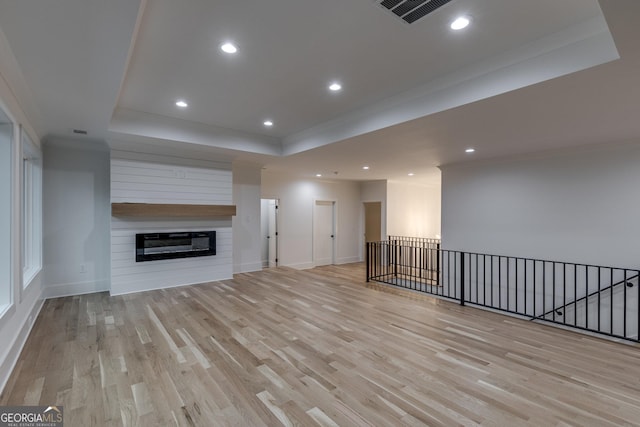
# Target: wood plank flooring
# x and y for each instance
(314, 348)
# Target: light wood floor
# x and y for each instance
(315, 347)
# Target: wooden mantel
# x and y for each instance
(155, 210)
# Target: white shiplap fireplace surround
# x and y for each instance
(153, 179)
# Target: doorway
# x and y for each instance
(372, 222)
(269, 232)
(324, 232)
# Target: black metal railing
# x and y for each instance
(593, 298)
(415, 241)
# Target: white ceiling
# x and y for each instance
(289, 51)
(414, 95)
(72, 55)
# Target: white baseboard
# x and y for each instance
(349, 260)
(146, 287)
(300, 266)
(10, 358)
(307, 265)
(77, 288)
(247, 268)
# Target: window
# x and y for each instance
(6, 144)
(31, 210)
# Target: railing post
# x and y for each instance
(367, 260)
(438, 264)
(461, 278)
(395, 258)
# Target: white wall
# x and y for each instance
(76, 218)
(579, 205)
(295, 217)
(149, 178)
(413, 210)
(247, 238)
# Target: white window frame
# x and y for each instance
(7, 301)
(31, 210)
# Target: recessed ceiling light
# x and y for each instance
(181, 103)
(470, 150)
(411, 174)
(335, 86)
(229, 48)
(365, 168)
(318, 175)
(268, 123)
(460, 22)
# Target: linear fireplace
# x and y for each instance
(157, 246)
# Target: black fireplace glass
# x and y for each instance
(157, 246)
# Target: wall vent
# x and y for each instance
(411, 10)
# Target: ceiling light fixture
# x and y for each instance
(335, 86)
(411, 174)
(460, 22)
(470, 150)
(318, 175)
(181, 103)
(268, 123)
(229, 47)
(365, 168)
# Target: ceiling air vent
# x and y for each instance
(412, 10)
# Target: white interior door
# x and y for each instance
(324, 233)
(273, 233)
(269, 230)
